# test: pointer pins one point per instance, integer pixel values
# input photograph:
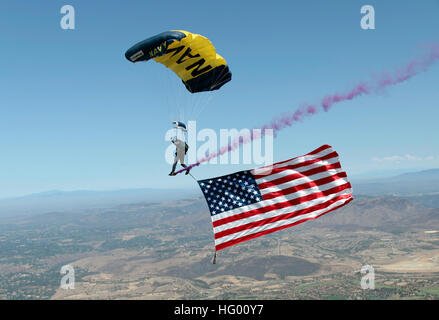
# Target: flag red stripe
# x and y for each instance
(281, 205)
(258, 234)
(280, 217)
(298, 175)
(304, 186)
(297, 165)
(318, 150)
(324, 147)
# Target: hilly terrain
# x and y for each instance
(164, 250)
(408, 184)
(70, 201)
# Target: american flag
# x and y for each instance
(249, 204)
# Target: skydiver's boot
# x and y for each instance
(173, 169)
(185, 166)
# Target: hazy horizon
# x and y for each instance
(380, 174)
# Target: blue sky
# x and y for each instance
(74, 114)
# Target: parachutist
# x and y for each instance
(181, 150)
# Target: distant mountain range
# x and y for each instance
(408, 184)
(421, 187)
(66, 201)
(385, 213)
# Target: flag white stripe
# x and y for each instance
(298, 160)
(299, 181)
(288, 172)
(278, 223)
(278, 212)
(282, 198)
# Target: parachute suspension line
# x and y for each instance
(182, 104)
(175, 101)
(169, 85)
(214, 258)
(203, 105)
(206, 100)
(194, 101)
(176, 97)
(199, 101)
(208, 97)
(194, 104)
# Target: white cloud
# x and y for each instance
(407, 157)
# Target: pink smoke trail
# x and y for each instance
(380, 82)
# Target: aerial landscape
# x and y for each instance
(163, 250)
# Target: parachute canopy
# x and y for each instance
(191, 56)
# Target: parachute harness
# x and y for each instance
(192, 176)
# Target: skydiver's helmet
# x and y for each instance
(180, 125)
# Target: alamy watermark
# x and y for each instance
(68, 19)
(368, 20)
(368, 280)
(206, 141)
(68, 280)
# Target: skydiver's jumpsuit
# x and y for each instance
(181, 149)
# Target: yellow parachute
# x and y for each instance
(191, 56)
